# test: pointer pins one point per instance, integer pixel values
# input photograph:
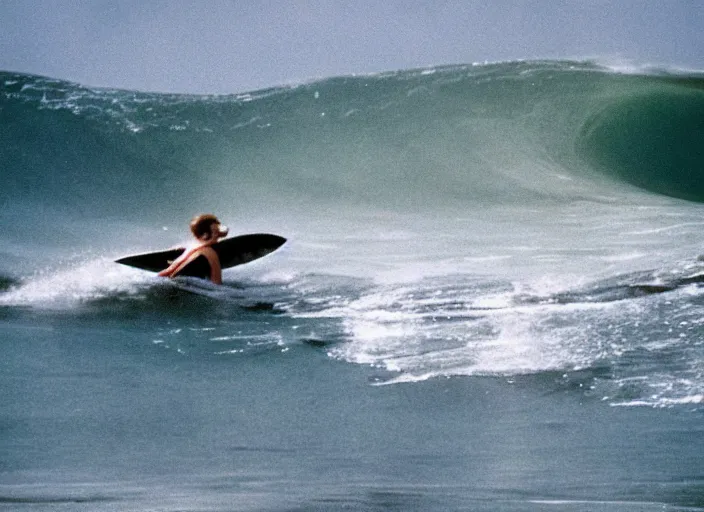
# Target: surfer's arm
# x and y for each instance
(178, 264)
(182, 261)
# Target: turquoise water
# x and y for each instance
(490, 298)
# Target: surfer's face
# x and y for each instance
(217, 230)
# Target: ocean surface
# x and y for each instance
(491, 297)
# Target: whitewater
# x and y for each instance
(490, 298)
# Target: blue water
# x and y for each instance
(491, 297)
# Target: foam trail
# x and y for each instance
(79, 282)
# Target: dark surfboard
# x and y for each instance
(232, 252)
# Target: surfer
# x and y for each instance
(207, 230)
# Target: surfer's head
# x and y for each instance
(207, 227)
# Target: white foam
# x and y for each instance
(427, 333)
(521, 347)
(627, 256)
(626, 66)
(661, 402)
(86, 280)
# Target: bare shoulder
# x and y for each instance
(209, 253)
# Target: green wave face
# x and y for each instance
(517, 133)
(653, 139)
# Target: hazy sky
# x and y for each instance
(224, 46)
